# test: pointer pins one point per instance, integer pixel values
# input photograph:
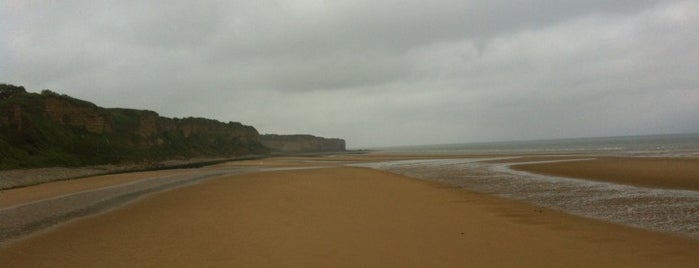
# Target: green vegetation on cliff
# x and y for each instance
(49, 129)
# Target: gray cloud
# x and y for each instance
(373, 72)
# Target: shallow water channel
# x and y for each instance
(672, 211)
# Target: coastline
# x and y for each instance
(340, 216)
(18, 178)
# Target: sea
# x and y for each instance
(664, 210)
(672, 145)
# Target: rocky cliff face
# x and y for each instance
(91, 118)
(153, 130)
(301, 143)
(49, 129)
(11, 116)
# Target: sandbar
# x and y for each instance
(655, 172)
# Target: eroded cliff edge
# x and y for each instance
(49, 129)
(302, 143)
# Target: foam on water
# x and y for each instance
(673, 211)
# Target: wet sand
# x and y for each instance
(671, 173)
(22, 195)
(341, 216)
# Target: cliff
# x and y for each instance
(49, 129)
(301, 143)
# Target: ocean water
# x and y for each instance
(665, 210)
(648, 145)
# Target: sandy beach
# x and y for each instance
(674, 173)
(335, 216)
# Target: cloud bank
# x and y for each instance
(376, 73)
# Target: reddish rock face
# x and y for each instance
(147, 124)
(64, 112)
(148, 133)
(11, 117)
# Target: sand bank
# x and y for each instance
(341, 216)
(674, 173)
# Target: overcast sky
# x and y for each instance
(375, 73)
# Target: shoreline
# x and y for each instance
(18, 178)
(654, 172)
(45, 209)
(627, 202)
(312, 217)
(341, 216)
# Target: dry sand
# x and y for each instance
(674, 173)
(342, 216)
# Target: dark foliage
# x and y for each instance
(31, 137)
